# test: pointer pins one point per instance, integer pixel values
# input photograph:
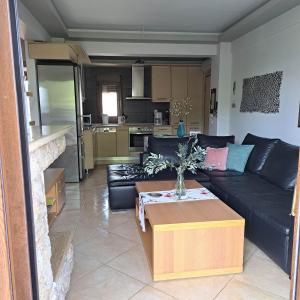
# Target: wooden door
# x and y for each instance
(206, 103)
(161, 83)
(196, 93)
(295, 273)
(17, 256)
(179, 84)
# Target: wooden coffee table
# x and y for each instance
(190, 238)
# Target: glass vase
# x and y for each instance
(180, 187)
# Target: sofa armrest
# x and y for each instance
(143, 157)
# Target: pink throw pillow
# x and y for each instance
(216, 158)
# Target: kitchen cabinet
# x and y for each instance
(179, 79)
(188, 81)
(161, 83)
(196, 93)
(88, 137)
(55, 192)
(58, 51)
(122, 141)
(106, 142)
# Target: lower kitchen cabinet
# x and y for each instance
(89, 149)
(106, 144)
(122, 141)
(55, 192)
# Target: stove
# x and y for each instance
(138, 138)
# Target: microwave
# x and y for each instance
(87, 120)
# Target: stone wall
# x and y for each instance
(40, 159)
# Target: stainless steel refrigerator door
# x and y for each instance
(57, 93)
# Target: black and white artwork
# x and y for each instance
(262, 93)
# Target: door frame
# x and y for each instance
(16, 214)
(295, 270)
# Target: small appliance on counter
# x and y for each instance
(158, 120)
(87, 120)
(104, 119)
(121, 120)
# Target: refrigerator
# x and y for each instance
(60, 103)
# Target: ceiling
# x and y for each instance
(156, 15)
(193, 20)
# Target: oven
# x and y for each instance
(138, 138)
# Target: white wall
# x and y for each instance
(31, 29)
(221, 80)
(274, 46)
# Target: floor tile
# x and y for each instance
(264, 274)
(194, 289)
(133, 263)
(83, 264)
(249, 250)
(72, 205)
(237, 290)
(85, 233)
(128, 230)
(149, 293)
(105, 246)
(104, 284)
(110, 262)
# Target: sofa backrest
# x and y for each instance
(166, 146)
(262, 149)
(212, 141)
(281, 165)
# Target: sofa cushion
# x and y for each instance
(205, 141)
(238, 156)
(271, 230)
(260, 152)
(167, 147)
(216, 158)
(246, 184)
(219, 173)
(281, 165)
(128, 174)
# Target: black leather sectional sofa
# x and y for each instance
(263, 194)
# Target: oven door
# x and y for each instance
(138, 141)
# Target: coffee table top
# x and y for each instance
(159, 185)
(186, 214)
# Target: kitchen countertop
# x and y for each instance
(126, 124)
(41, 136)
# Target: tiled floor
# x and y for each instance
(110, 263)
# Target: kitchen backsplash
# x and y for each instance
(141, 111)
(137, 111)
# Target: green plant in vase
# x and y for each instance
(190, 157)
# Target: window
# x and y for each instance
(110, 100)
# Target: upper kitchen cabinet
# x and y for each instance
(161, 83)
(179, 79)
(196, 93)
(58, 51)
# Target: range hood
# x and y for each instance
(137, 92)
